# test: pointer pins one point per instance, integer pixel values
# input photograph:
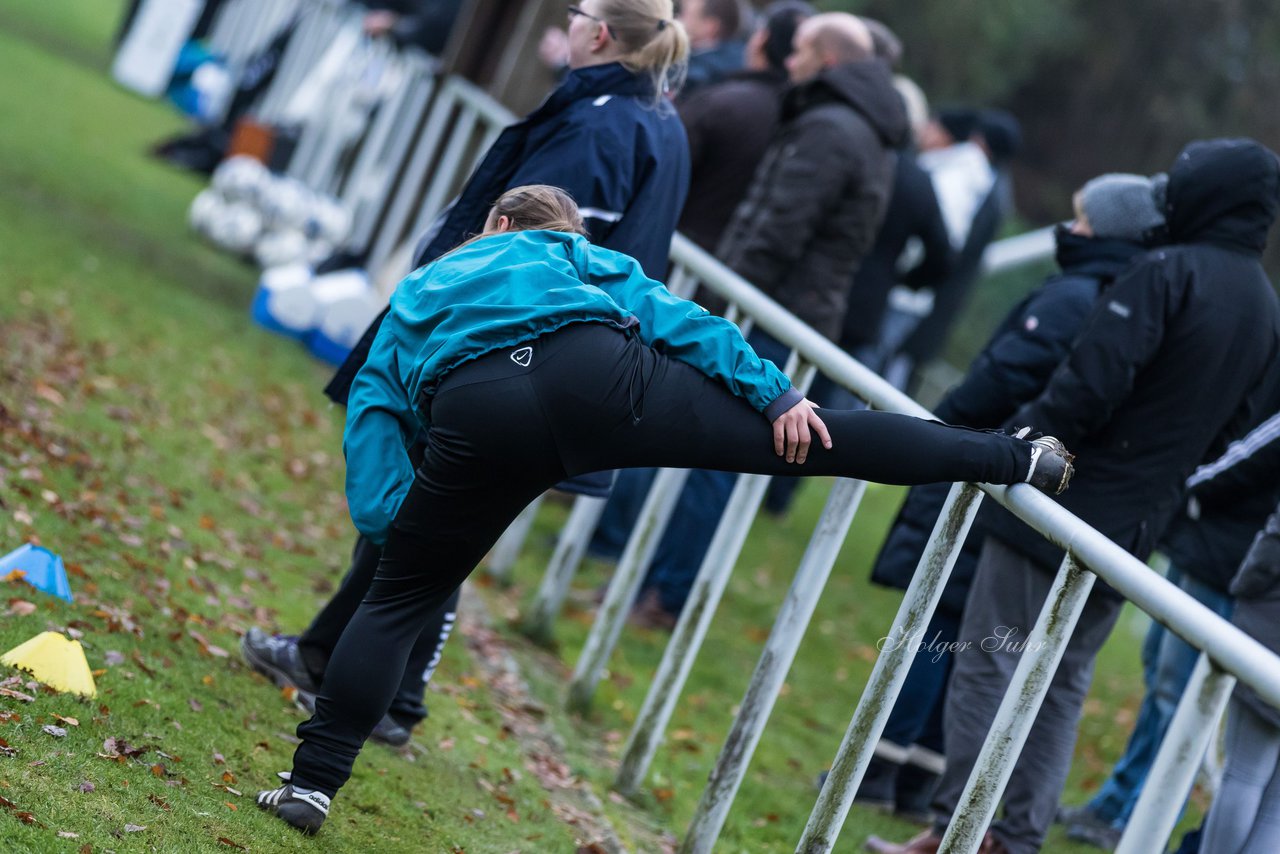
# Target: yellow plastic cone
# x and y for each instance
(55, 660)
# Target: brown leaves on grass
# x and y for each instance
(119, 750)
(20, 815)
(20, 608)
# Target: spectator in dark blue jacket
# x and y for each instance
(608, 136)
(715, 40)
(1117, 216)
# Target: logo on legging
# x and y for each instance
(523, 356)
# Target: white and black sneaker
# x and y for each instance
(1050, 470)
(304, 810)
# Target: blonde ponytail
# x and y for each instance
(652, 40)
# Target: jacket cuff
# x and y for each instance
(785, 401)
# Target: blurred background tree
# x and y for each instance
(1098, 85)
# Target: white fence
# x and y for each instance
(398, 173)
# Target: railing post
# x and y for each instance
(651, 525)
(502, 558)
(1044, 647)
(538, 622)
(1194, 725)
(771, 670)
(690, 630)
(897, 651)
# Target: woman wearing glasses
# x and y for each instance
(608, 136)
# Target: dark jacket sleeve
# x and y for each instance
(1248, 466)
(939, 255)
(1120, 338)
(1259, 573)
(1017, 363)
(802, 186)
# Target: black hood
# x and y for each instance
(1098, 257)
(865, 86)
(1225, 192)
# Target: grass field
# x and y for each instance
(186, 467)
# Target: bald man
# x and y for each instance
(810, 214)
(816, 202)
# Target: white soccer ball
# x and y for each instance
(290, 300)
(287, 204)
(236, 227)
(241, 178)
(332, 222)
(277, 247)
(205, 207)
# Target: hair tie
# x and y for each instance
(662, 24)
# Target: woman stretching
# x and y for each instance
(528, 355)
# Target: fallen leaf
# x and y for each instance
(160, 802)
(134, 828)
(231, 806)
(86, 786)
(228, 777)
(17, 695)
(55, 731)
(68, 721)
(222, 840)
(20, 608)
(66, 834)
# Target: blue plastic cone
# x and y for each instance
(39, 567)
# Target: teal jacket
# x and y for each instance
(497, 292)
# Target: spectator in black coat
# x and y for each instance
(1197, 321)
(730, 123)
(813, 208)
(821, 191)
(1228, 502)
(1013, 368)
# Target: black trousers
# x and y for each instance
(588, 398)
(317, 643)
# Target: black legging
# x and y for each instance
(317, 643)
(590, 398)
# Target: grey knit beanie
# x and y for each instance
(1123, 206)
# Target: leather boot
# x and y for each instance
(925, 843)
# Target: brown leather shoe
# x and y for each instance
(991, 845)
(648, 613)
(924, 843)
(928, 843)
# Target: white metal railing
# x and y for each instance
(419, 150)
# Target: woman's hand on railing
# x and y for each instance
(793, 429)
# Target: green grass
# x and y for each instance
(186, 467)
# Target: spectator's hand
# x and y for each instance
(791, 432)
(380, 22)
(553, 49)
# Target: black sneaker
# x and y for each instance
(388, 731)
(277, 657)
(303, 810)
(1051, 468)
